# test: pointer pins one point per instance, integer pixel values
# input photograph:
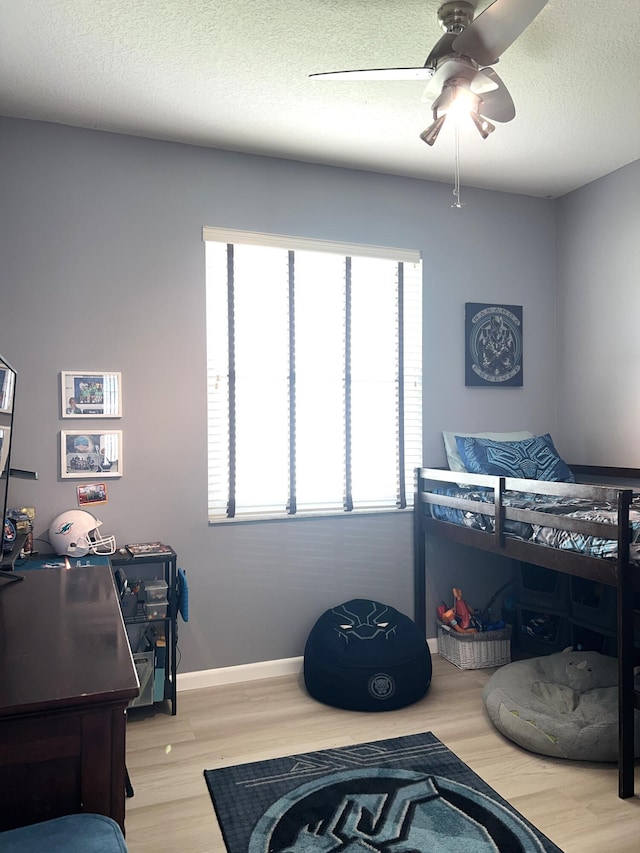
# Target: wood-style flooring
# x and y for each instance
(574, 803)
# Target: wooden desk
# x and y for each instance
(66, 678)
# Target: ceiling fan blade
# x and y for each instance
(495, 29)
(421, 72)
(484, 81)
(497, 103)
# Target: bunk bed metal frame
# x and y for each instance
(619, 572)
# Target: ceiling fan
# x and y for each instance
(459, 66)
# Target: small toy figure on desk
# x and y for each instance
(9, 535)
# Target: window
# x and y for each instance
(314, 375)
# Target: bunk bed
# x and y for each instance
(588, 530)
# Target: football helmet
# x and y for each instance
(75, 533)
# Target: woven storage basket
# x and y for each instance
(475, 651)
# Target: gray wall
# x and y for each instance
(598, 313)
(103, 269)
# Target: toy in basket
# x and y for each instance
(469, 638)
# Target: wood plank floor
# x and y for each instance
(573, 803)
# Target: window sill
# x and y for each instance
(308, 516)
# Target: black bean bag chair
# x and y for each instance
(366, 656)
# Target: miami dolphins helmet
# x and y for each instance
(75, 533)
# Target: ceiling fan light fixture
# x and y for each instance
(463, 100)
(455, 99)
(431, 133)
(483, 125)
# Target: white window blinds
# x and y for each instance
(314, 375)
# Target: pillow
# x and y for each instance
(451, 448)
(532, 458)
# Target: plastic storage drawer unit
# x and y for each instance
(155, 590)
(156, 610)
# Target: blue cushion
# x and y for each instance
(75, 833)
(532, 458)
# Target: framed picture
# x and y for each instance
(87, 394)
(86, 454)
(493, 345)
(93, 493)
(6, 388)
(5, 443)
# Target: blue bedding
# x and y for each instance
(566, 540)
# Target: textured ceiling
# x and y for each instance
(233, 74)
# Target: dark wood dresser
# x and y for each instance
(66, 678)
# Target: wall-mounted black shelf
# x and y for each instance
(23, 474)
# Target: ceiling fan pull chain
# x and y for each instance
(456, 186)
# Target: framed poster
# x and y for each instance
(96, 454)
(493, 345)
(91, 394)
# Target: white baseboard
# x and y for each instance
(235, 674)
(250, 671)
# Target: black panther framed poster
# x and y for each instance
(493, 342)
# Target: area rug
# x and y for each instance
(404, 795)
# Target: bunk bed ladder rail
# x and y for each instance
(419, 558)
(498, 520)
(628, 696)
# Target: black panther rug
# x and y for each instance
(404, 795)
